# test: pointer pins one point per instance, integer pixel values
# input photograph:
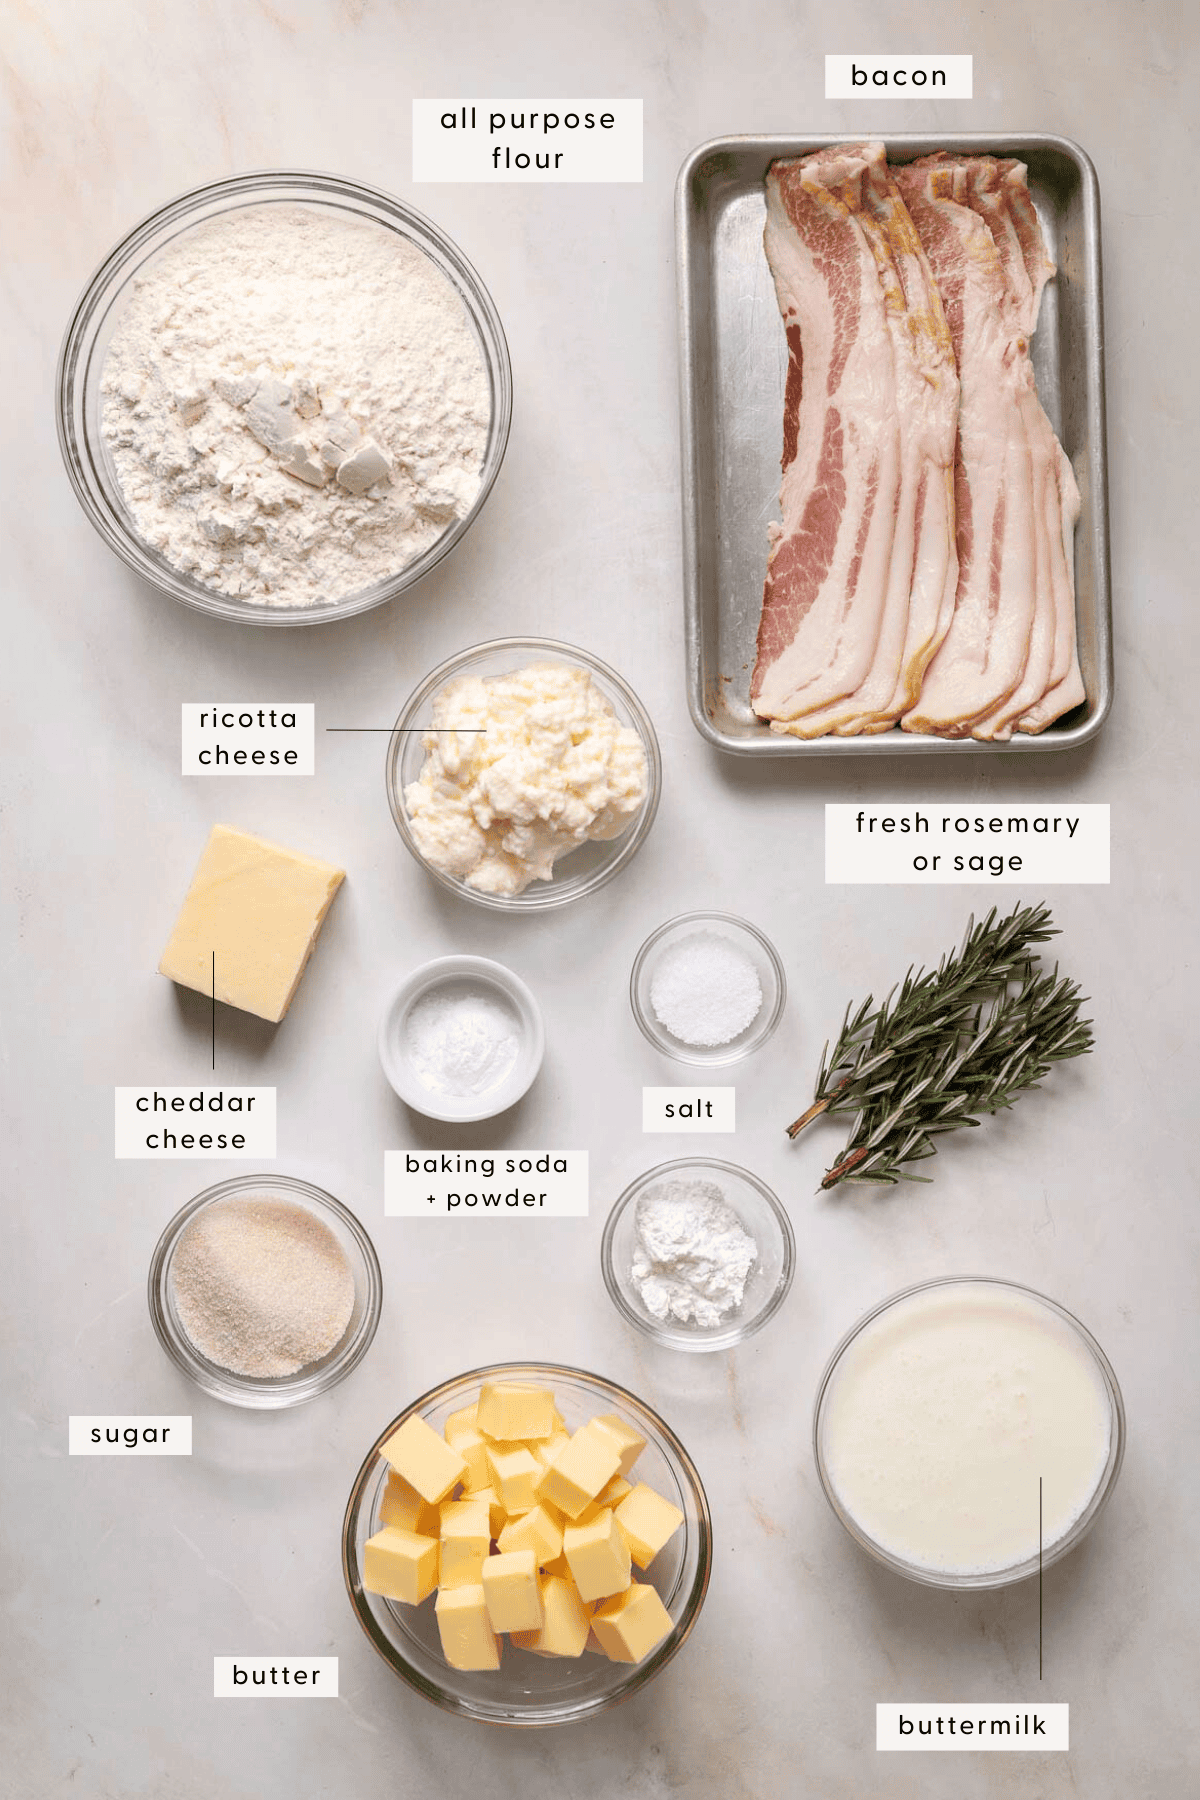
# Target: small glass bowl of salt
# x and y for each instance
(461, 1038)
(698, 1254)
(707, 988)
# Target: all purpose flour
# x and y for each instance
(295, 404)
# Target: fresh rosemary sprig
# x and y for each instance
(965, 1038)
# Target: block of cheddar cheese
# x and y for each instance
(249, 922)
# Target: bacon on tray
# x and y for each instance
(922, 568)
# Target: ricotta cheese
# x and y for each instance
(520, 769)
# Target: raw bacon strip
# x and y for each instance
(829, 568)
(997, 481)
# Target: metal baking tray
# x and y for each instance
(733, 367)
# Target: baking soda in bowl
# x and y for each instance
(943, 1414)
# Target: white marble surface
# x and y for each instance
(122, 1580)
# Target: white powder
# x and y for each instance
(462, 1043)
(692, 1255)
(295, 404)
(262, 1287)
(704, 990)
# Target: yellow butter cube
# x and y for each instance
(630, 1625)
(558, 1565)
(598, 1557)
(496, 1513)
(648, 1521)
(401, 1505)
(258, 909)
(539, 1530)
(510, 1411)
(471, 1445)
(400, 1565)
(468, 1641)
(630, 1442)
(585, 1464)
(611, 1495)
(425, 1460)
(459, 1420)
(514, 1476)
(565, 1621)
(546, 1449)
(466, 1539)
(510, 1590)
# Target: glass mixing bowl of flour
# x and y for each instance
(248, 455)
(169, 1285)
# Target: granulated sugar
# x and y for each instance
(262, 1286)
(704, 990)
(295, 404)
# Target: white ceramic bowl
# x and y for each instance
(450, 974)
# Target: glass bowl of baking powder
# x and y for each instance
(283, 398)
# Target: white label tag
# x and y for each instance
(249, 737)
(688, 1109)
(898, 78)
(472, 1184)
(129, 1434)
(527, 140)
(962, 1725)
(275, 1677)
(194, 1124)
(945, 843)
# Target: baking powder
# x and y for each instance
(295, 404)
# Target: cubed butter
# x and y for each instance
(539, 1530)
(610, 1495)
(630, 1625)
(510, 1590)
(511, 1410)
(400, 1565)
(468, 1641)
(496, 1513)
(472, 1447)
(648, 1521)
(546, 1449)
(598, 1557)
(465, 1541)
(514, 1476)
(630, 1442)
(585, 1464)
(401, 1505)
(258, 909)
(457, 1420)
(425, 1460)
(565, 1621)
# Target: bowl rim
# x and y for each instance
(723, 1055)
(316, 187)
(539, 896)
(680, 1337)
(423, 980)
(265, 1393)
(1023, 1571)
(639, 1673)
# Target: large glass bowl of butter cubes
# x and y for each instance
(593, 1652)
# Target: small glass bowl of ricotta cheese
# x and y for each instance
(570, 779)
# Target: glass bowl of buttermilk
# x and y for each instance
(577, 1676)
(968, 1432)
(523, 774)
(283, 398)
(265, 1291)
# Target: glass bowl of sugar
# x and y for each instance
(707, 988)
(265, 1291)
(461, 1038)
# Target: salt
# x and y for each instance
(462, 1043)
(705, 991)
